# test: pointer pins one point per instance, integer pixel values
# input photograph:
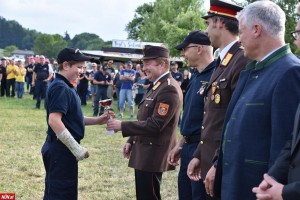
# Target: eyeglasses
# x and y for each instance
(185, 48)
(295, 34)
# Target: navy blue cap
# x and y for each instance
(195, 37)
(70, 54)
(128, 62)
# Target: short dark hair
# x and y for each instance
(231, 25)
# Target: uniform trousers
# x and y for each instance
(147, 185)
(40, 91)
(61, 182)
(188, 189)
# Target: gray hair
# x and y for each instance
(267, 14)
(297, 9)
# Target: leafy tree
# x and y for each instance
(67, 38)
(134, 27)
(170, 22)
(49, 45)
(87, 41)
(9, 49)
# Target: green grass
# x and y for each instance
(103, 176)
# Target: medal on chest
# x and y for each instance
(213, 90)
(217, 98)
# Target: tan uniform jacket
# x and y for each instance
(217, 96)
(154, 134)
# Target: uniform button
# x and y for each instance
(204, 113)
(150, 143)
(133, 142)
(201, 142)
(202, 127)
(146, 105)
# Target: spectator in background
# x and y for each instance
(118, 83)
(3, 66)
(83, 84)
(91, 78)
(40, 79)
(175, 73)
(11, 73)
(110, 69)
(185, 83)
(102, 79)
(142, 84)
(51, 73)
(20, 80)
(126, 93)
(29, 73)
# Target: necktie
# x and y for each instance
(218, 61)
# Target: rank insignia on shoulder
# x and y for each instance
(169, 81)
(226, 59)
(156, 86)
(163, 109)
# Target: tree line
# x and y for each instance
(13, 36)
(169, 21)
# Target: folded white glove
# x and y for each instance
(77, 150)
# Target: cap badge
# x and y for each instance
(78, 51)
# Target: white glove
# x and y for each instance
(77, 150)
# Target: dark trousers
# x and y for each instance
(10, 83)
(147, 185)
(3, 87)
(61, 167)
(101, 94)
(40, 91)
(188, 189)
(82, 92)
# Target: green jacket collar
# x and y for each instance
(270, 59)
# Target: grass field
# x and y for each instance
(103, 176)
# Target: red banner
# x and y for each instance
(7, 196)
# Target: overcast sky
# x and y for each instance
(106, 18)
